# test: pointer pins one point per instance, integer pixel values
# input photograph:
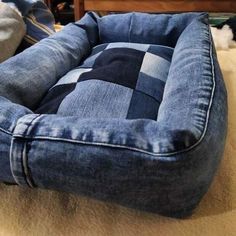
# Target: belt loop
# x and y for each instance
(19, 151)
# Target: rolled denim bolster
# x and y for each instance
(163, 166)
(26, 77)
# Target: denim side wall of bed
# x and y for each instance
(26, 77)
(164, 166)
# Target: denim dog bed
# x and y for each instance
(128, 108)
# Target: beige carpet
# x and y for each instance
(40, 212)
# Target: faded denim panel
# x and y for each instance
(72, 76)
(137, 46)
(92, 99)
(154, 65)
(191, 82)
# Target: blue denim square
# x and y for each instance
(154, 65)
(97, 99)
(151, 86)
(142, 106)
(162, 51)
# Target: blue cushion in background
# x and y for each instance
(106, 108)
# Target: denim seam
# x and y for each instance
(23, 157)
(12, 169)
(28, 129)
(28, 179)
(10, 158)
(130, 23)
(6, 131)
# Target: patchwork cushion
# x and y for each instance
(126, 80)
(128, 108)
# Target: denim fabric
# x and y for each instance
(163, 166)
(163, 30)
(116, 81)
